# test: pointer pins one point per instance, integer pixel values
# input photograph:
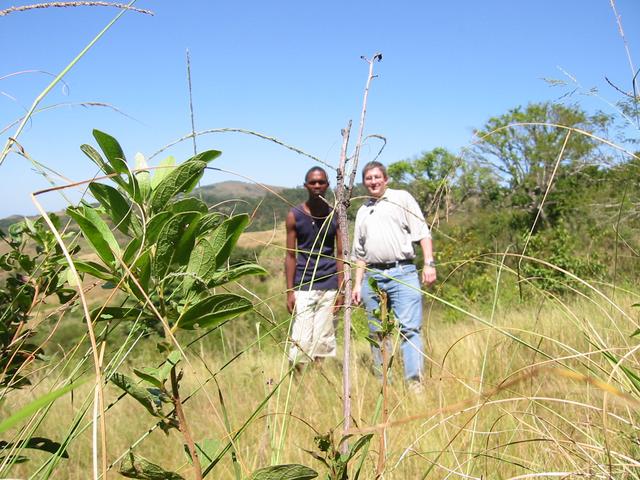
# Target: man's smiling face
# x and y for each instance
(375, 181)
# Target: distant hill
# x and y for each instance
(232, 188)
(234, 197)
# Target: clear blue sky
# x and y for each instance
(292, 70)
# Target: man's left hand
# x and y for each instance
(428, 275)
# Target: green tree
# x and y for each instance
(440, 180)
(528, 147)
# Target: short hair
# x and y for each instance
(315, 169)
(374, 164)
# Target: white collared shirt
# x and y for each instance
(387, 227)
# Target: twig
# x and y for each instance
(356, 155)
(182, 424)
(342, 204)
(626, 44)
(344, 197)
(193, 124)
(384, 319)
(23, 8)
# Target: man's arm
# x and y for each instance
(429, 269)
(290, 259)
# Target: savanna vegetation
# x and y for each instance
(143, 331)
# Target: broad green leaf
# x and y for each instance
(135, 466)
(114, 204)
(141, 270)
(201, 262)
(209, 222)
(94, 217)
(40, 402)
(189, 204)
(115, 313)
(151, 401)
(180, 180)
(168, 243)
(154, 226)
(206, 156)
(226, 276)
(187, 239)
(96, 232)
(132, 250)
(94, 269)
(206, 449)
(71, 278)
(164, 168)
(93, 154)
(112, 150)
(213, 310)
(157, 376)
(291, 471)
(143, 177)
(353, 449)
(224, 238)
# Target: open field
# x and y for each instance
(511, 391)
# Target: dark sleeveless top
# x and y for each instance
(315, 259)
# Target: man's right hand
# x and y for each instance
(356, 294)
(291, 301)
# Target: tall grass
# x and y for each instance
(492, 407)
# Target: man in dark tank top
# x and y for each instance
(313, 273)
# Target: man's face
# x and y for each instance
(316, 183)
(375, 182)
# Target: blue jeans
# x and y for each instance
(405, 299)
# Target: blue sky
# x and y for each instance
(292, 70)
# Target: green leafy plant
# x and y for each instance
(34, 270)
(166, 253)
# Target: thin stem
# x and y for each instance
(343, 202)
(183, 426)
(356, 155)
(193, 124)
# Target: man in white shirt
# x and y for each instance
(386, 227)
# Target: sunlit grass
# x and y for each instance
(492, 408)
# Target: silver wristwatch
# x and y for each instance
(430, 263)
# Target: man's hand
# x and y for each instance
(291, 301)
(356, 294)
(428, 275)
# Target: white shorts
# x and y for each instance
(313, 332)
